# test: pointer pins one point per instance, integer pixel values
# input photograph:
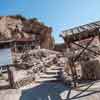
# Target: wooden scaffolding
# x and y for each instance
(72, 36)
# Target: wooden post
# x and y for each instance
(73, 71)
(71, 63)
(10, 77)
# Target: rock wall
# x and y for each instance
(91, 70)
(60, 47)
(18, 27)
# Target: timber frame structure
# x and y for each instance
(74, 36)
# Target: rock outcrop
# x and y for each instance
(18, 27)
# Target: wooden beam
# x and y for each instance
(10, 77)
(97, 53)
(84, 29)
(77, 57)
(96, 24)
(73, 71)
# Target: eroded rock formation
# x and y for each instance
(19, 28)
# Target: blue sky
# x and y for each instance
(60, 14)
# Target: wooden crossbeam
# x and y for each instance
(96, 24)
(83, 49)
(84, 29)
(97, 53)
(72, 61)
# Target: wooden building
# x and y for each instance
(82, 34)
(83, 46)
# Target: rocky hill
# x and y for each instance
(18, 27)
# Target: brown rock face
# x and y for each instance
(18, 27)
(46, 39)
(91, 70)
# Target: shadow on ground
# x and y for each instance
(45, 91)
(52, 91)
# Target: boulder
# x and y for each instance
(91, 70)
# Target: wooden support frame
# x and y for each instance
(73, 58)
(10, 77)
(79, 33)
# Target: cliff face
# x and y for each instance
(18, 27)
(8, 26)
(60, 47)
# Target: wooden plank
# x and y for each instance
(97, 53)
(77, 57)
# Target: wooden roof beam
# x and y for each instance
(96, 24)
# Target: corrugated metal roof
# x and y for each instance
(82, 30)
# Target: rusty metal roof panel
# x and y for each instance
(82, 30)
(75, 30)
(98, 22)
